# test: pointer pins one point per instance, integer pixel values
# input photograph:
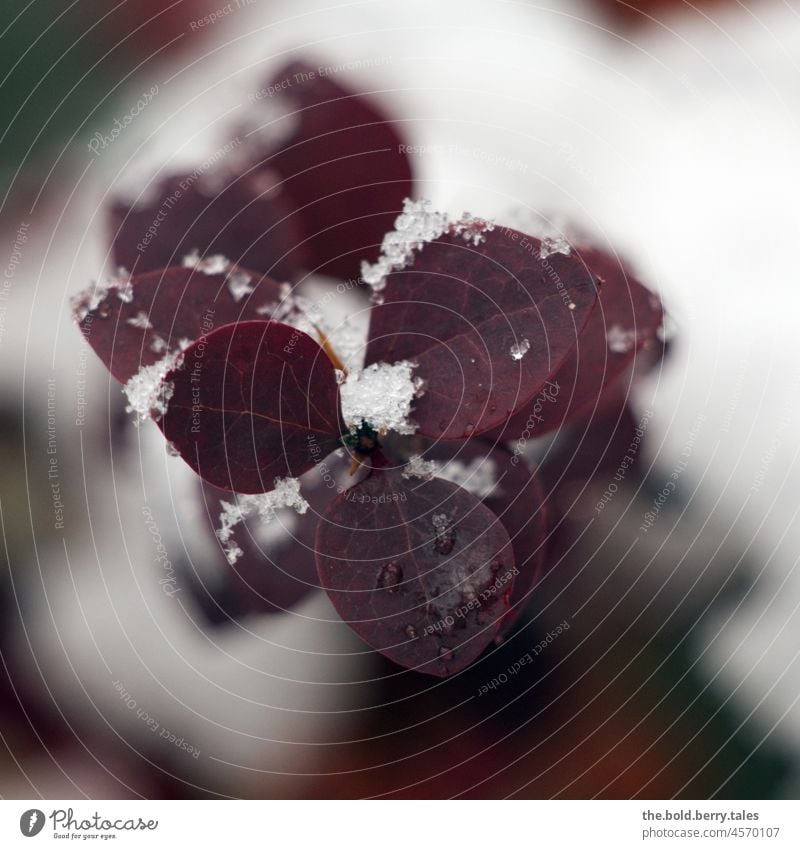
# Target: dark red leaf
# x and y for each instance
(343, 167)
(458, 311)
(278, 568)
(177, 303)
(421, 570)
(253, 401)
(517, 500)
(621, 332)
(242, 216)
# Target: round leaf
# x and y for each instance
(462, 311)
(251, 402)
(343, 167)
(135, 324)
(421, 570)
(242, 216)
(620, 332)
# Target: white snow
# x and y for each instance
(140, 320)
(312, 316)
(147, 392)
(214, 264)
(419, 468)
(124, 288)
(472, 229)
(297, 311)
(478, 477)
(381, 395)
(285, 494)
(554, 245)
(417, 225)
(159, 344)
(519, 349)
(90, 299)
(239, 284)
(620, 341)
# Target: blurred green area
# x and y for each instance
(63, 65)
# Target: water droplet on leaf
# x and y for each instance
(390, 576)
(445, 538)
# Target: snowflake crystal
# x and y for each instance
(285, 494)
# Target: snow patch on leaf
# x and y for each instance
(620, 341)
(141, 320)
(478, 477)
(345, 336)
(416, 467)
(147, 392)
(472, 229)
(159, 344)
(519, 349)
(239, 285)
(554, 245)
(295, 310)
(264, 505)
(381, 395)
(90, 299)
(214, 264)
(417, 225)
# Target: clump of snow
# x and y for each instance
(417, 225)
(472, 229)
(214, 264)
(297, 311)
(159, 344)
(90, 299)
(554, 245)
(347, 339)
(478, 477)
(519, 349)
(141, 320)
(239, 285)
(285, 494)
(440, 523)
(123, 285)
(345, 336)
(381, 395)
(620, 341)
(147, 392)
(419, 468)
